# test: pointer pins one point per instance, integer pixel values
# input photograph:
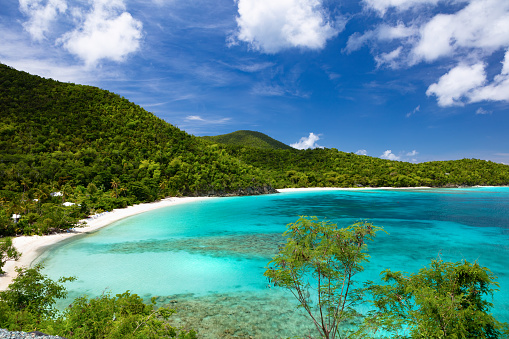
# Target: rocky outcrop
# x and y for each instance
(238, 192)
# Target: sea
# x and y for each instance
(206, 259)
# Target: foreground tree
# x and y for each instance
(444, 300)
(7, 252)
(318, 264)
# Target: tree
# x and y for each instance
(122, 316)
(7, 252)
(318, 264)
(444, 300)
(34, 292)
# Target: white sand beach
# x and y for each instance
(310, 189)
(32, 246)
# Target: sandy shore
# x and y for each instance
(310, 189)
(32, 246)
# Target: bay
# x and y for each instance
(207, 258)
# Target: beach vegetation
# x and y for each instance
(7, 252)
(29, 304)
(30, 298)
(318, 265)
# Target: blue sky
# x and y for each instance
(409, 80)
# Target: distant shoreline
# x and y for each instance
(31, 247)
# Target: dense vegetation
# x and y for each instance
(333, 168)
(63, 142)
(68, 150)
(29, 305)
(249, 139)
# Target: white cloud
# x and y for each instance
(400, 156)
(415, 110)
(482, 25)
(271, 26)
(468, 84)
(466, 31)
(384, 33)
(381, 6)
(389, 155)
(106, 32)
(362, 152)
(457, 84)
(498, 90)
(199, 119)
(482, 111)
(307, 142)
(389, 58)
(41, 15)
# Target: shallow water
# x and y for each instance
(207, 258)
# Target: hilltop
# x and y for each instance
(248, 139)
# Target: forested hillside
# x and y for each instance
(249, 139)
(62, 142)
(69, 150)
(333, 168)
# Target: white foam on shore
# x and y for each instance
(31, 247)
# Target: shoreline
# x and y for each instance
(32, 246)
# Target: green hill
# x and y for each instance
(63, 142)
(98, 150)
(248, 139)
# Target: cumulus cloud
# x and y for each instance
(458, 83)
(105, 32)
(389, 155)
(41, 15)
(412, 154)
(469, 84)
(466, 31)
(498, 90)
(481, 25)
(307, 142)
(362, 152)
(271, 26)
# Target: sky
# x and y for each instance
(408, 80)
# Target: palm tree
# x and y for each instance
(114, 185)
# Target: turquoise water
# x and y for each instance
(207, 258)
